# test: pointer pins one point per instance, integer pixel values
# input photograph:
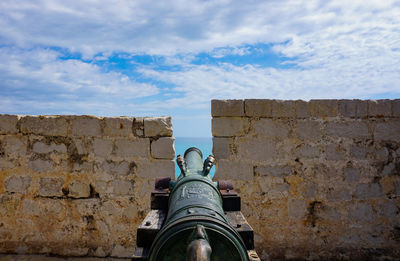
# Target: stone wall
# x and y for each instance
(78, 185)
(318, 179)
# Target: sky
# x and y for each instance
(154, 58)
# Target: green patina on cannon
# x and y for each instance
(201, 221)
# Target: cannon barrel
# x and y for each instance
(196, 227)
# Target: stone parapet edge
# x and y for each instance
(86, 125)
(266, 108)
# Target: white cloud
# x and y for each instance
(342, 49)
(201, 83)
(39, 75)
(169, 28)
(222, 52)
(158, 28)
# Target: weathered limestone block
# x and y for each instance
(308, 129)
(85, 126)
(389, 130)
(325, 171)
(8, 124)
(221, 149)
(238, 170)
(328, 211)
(51, 187)
(387, 208)
(335, 152)
(82, 165)
(122, 187)
(142, 187)
(77, 189)
(18, 184)
(391, 185)
(396, 108)
(31, 207)
(358, 151)
(310, 190)
(155, 168)
(44, 125)
(118, 126)
(128, 148)
(158, 127)
(41, 147)
(274, 171)
(271, 128)
(279, 191)
(81, 145)
(112, 209)
(100, 187)
(227, 108)
(302, 109)
(41, 165)
(361, 212)
(379, 153)
(99, 252)
(121, 251)
(297, 209)
(389, 169)
(283, 109)
(338, 194)
(6, 163)
(323, 108)
(257, 149)
(307, 151)
(353, 108)
(228, 127)
(14, 145)
(258, 108)
(9, 205)
(130, 212)
(367, 191)
(347, 129)
(163, 148)
(352, 175)
(116, 169)
(379, 108)
(273, 188)
(102, 147)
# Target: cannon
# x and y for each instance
(194, 218)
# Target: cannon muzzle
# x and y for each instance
(191, 163)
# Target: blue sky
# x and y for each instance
(142, 58)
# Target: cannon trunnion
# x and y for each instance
(194, 218)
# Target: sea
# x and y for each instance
(203, 143)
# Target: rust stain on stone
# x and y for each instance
(312, 212)
(295, 183)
